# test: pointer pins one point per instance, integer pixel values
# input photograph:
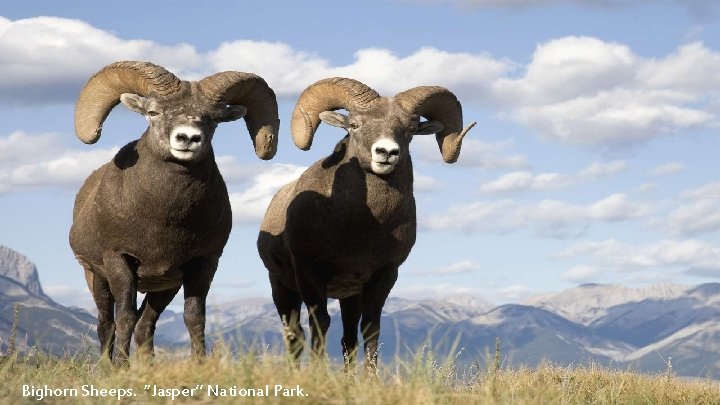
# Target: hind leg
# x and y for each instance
(288, 304)
(105, 303)
(152, 306)
(198, 274)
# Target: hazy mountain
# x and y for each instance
(588, 302)
(19, 269)
(640, 328)
(41, 321)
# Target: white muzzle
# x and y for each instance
(186, 142)
(385, 154)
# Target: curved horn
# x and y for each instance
(252, 92)
(326, 95)
(102, 92)
(440, 104)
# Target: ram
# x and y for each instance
(157, 216)
(345, 226)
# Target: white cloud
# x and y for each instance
(423, 183)
(667, 168)
(47, 59)
(35, 161)
(528, 181)
(616, 117)
(692, 68)
(581, 274)
(552, 218)
(515, 292)
(71, 296)
(442, 290)
(689, 254)
(699, 212)
(289, 71)
(698, 8)
(601, 169)
(50, 58)
(474, 153)
(575, 90)
(695, 217)
(249, 206)
(707, 191)
(524, 180)
(461, 267)
(585, 91)
(568, 68)
(20, 146)
(234, 171)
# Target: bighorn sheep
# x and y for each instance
(342, 229)
(157, 216)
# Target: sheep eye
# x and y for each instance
(354, 125)
(153, 113)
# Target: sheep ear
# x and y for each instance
(232, 113)
(134, 102)
(429, 127)
(334, 118)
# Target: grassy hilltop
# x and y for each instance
(247, 378)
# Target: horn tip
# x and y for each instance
(89, 139)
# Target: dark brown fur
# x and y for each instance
(147, 222)
(341, 231)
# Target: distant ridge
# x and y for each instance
(20, 269)
(43, 323)
(637, 328)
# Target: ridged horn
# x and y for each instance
(252, 92)
(102, 92)
(440, 104)
(326, 95)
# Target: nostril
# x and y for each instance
(181, 137)
(380, 150)
(195, 138)
(394, 152)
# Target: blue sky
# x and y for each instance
(593, 159)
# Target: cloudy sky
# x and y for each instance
(593, 160)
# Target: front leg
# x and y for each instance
(374, 294)
(198, 275)
(350, 311)
(123, 286)
(154, 303)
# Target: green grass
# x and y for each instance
(419, 380)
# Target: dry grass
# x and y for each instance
(418, 381)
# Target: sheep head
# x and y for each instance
(380, 128)
(182, 115)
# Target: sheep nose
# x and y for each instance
(184, 138)
(393, 151)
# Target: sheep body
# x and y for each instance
(157, 217)
(119, 205)
(345, 226)
(368, 232)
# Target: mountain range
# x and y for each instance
(642, 329)
(41, 322)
